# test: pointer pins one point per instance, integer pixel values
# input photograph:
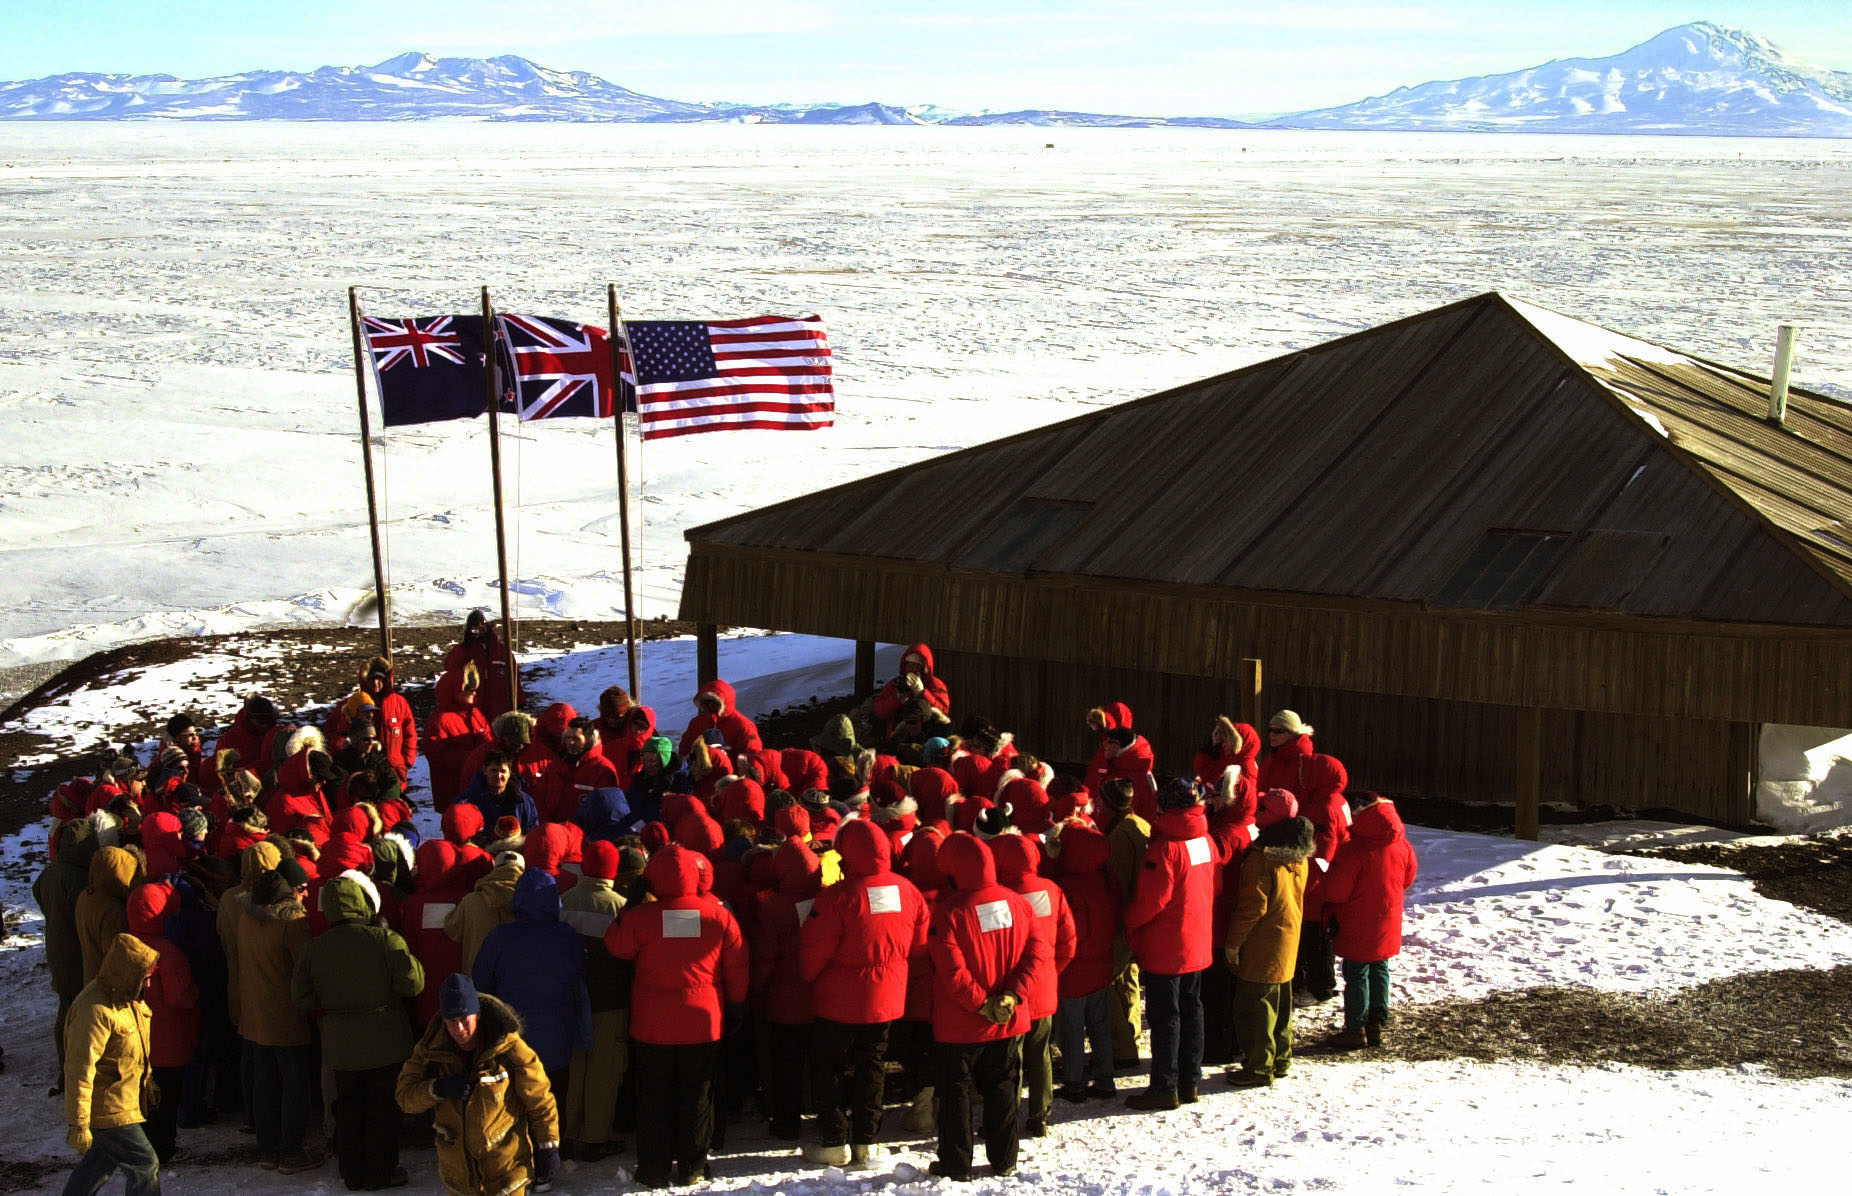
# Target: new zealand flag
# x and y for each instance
(429, 367)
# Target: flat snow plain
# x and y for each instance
(180, 450)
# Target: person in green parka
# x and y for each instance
(358, 976)
(56, 891)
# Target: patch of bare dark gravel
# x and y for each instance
(316, 667)
(1814, 871)
(1795, 1023)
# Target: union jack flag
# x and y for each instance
(418, 341)
(560, 368)
(428, 367)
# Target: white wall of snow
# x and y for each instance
(1804, 780)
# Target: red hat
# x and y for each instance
(601, 862)
(1276, 805)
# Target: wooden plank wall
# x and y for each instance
(1735, 672)
(1399, 745)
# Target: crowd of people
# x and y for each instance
(616, 932)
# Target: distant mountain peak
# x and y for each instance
(1697, 78)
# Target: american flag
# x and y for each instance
(714, 375)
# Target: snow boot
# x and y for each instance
(922, 1117)
(1035, 1127)
(826, 1156)
(1187, 1094)
(1152, 1100)
(1073, 1093)
(1373, 1032)
(861, 1157)
(1353, 1039)
(944, 1172)
(1248, 1079)
(1104, 1090)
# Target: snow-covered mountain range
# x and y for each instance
(1699, 78)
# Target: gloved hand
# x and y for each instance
(546, 1166)
(457, 1087)
(732, 1017)
(1000, 1009)
(912, 682)
(78, 1139)
(1232, 956)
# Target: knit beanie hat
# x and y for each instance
(934, 750)
(1290, 722)
(194, 824)
(458, 997)
(601, 860)
(293, 872)
(1179, 793)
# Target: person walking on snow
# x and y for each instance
(108, 1086)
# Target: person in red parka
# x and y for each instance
(1124, 754)
(1289, 742)
(398, 729)
(988, 954)
(1085, 984)
(580, 768)
(856, 946)
(254, 720)
(625, 748)
(719, 711)
(780, 990)
(916, 679)
(443, 880)
(1232, 748)
(689, 991)
(1168, 925)
(297, 801)
(512, 734)
(1017, 860)
(614, 707)
(173, 998)
(455, 730)
(1360, 902)
(1321, 802)
(804, 770)
(482, 646)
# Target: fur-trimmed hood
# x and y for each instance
(304, 739)
(1289, 842)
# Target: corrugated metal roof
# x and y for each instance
(1383, 464)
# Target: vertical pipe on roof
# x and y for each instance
(1784, 366)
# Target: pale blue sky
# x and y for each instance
(1163, 57)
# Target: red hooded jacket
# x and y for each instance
(783, 991)
(1169, 921)
(1016, 859)
(862, 933)
(172, 996)
(1280, 768)
(740, 732)
(298, 801)
(804, 770)
(893, 696)
(567, 781)
(452, 734)
(1321, 802)
(1368, 882)
(985, 941)
(1211, 766)
(443, 880)
(1093, 901)
(931, 788)
(691, 960)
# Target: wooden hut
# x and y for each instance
(1490, 551)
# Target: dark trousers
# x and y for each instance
(164, 1119)
(675, 1106)
(996, 1069)
(1366, 993)
(1174, 1004)
(212, 1078)
(909, 1044)
(1316, 970)
(787, 1055)
(1038, 1068)
(1084, 1020)
(124, 1147)
(280, 1079)
(366, 1125)
(1218, 1014)
(247, 1078)
(861, 1051)
(57, 1033)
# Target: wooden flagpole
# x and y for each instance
(623, 487)
(495, 467)
(366, 460)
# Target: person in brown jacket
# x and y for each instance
(497, 1123)
(102, 908)
(491, 904)
(271, 935)
(1127, 836)
(108, 1085)
(1263, 939)
(256, 860)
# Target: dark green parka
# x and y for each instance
(56, 891)
(358, 976)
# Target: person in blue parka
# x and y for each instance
(605, 814)
(536, 964)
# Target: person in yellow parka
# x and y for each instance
(108, 1085)
(497, 1122)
